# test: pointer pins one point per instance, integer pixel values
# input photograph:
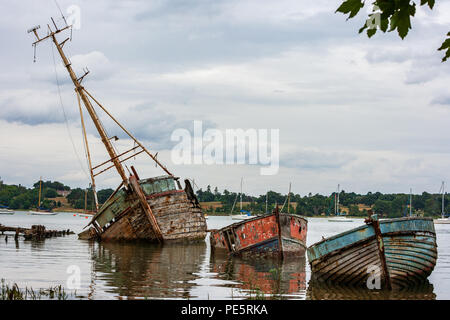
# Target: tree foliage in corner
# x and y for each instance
(390, 15)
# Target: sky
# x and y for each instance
(367, 114)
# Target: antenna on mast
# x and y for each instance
(34, 30)
(62, 15)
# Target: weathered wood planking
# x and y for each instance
(167, 211)
(409, 251)
(263, 236)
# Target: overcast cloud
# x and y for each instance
(369, 114)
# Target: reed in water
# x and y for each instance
(13, 292)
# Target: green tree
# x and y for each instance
(382, 207)
(50, 193)
(104, 194)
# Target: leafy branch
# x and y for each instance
(390, 15)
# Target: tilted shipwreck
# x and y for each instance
(154, 209)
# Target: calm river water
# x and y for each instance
(127, 271)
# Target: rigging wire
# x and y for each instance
(65, 116)
(84, 134)
(60, 11)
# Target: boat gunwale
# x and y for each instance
(236, 224)
(388, 234)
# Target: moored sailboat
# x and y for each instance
(339, 216)
(243, 215)
(6, 210)
(444, 219)
(39, 210)
(87, 213)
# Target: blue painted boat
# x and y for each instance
(399, 252)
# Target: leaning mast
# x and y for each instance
(85, 97)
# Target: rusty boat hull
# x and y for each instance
(402, 253)
(155, 210)
(272, 235)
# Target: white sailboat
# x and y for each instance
(38, 211)
(288, 200)
(5, 210)
(86, 213)
(443, 219)
(240, 216)
(339, 217)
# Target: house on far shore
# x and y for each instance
(63, 193)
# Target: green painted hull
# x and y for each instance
(124, 218)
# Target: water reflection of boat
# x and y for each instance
(276, 234)
(319, 290)
(140, 270)
(400, 252)
(267, 276)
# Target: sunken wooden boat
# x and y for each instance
(400, 252)
(155, 209)
(271, 235)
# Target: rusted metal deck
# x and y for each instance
(155, 209)
(401, 252)
(276, 234)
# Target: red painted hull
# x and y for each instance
(269, 235)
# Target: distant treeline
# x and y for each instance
(388, 205)
(20, 197)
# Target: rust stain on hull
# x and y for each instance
(263, 236)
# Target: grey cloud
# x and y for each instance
(441, 100)
(32, 111)
(148, 123)
(316, 160)
(396, 54)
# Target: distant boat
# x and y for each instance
(41, 211)
(88, 213)
(400, 251)
(5, 210)
(244, 214)
(272, 235)
(443, 219)
(340, 219)
(339, 216)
